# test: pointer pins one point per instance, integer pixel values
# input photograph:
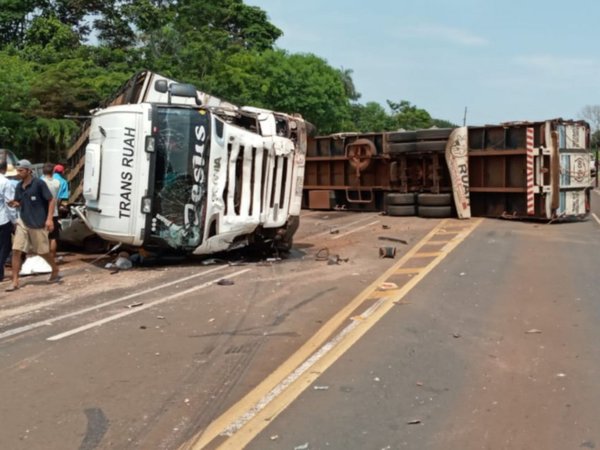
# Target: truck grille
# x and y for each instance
(258, 182)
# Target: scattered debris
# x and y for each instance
(322, 254)
(462, 274)
(143, 327)
(320, 388)
(212, 319)
(387, 252)
(385, 227)
(377, 379)
(335, 259)
(561, 375)
(334, 231)
(387, 286)
(121, 263)
(392, 239)
(274, 437)
(419, 383)
(135, 305)
(211, 261)
(302, 447)
(533, 331)
(414, 422)
(456, 335)
(225, 282)
(160, 317)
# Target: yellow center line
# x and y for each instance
(249, 416)
(408, 270)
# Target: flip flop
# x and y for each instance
(12, 288)
(56, 279)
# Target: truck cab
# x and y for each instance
(192, 178)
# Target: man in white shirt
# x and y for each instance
(8, 216)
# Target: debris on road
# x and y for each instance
(414, 422)
(393, 239)
(301, 447)
(320, 388)
(533, 331)
(456, 335)
(334, 231)
(135, 305)
(225, 282)
(561, 375)
(387, 252)
(387, 286)
(322, 254)
(274, 437)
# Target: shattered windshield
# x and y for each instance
(181, 137)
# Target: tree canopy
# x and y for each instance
(62, 58)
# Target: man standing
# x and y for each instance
(63, 192)
(36, 205)
(54, 186)
(8, 216)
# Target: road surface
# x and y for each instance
(477, 335)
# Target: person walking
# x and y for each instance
(63, 192)
(8, 216)
(54, 186)
(36, 207)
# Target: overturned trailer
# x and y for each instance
(168, 168)
(518, 169)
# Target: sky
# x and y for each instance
(502, 60)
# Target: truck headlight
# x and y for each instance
(149, 144)
(146, 205)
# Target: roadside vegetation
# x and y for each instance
(61, 58)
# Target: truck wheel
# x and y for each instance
(402, 136)
(403, 147)
(400, 199)
(401, 210)
(431, 146)
(434, 199)
(436, 133)
(435, 211)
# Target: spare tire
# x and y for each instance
(402, 147)
(434, 199)
(434, 133)
(435, 211)
(401, 210)
(395, 198)
(402, 136)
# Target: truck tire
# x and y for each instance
(435, 211)
(402, 136)
(435, 133)
(395, 198)
(402, 147)
(434, 199)
(431, 146)
(401, 210)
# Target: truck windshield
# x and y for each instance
(179, 201)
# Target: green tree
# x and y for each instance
(274, 79)
(409, 117)
(370, 117)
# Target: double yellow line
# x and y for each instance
(248, 417)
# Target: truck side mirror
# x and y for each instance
(183, 90)
(161, 86)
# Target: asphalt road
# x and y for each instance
(488, 342)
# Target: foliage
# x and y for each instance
(64, 57)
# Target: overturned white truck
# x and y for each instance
(189, 174)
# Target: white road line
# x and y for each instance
(355, 230)
(324, 233)
(596, 218)
(50, 321)
(97, 323)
